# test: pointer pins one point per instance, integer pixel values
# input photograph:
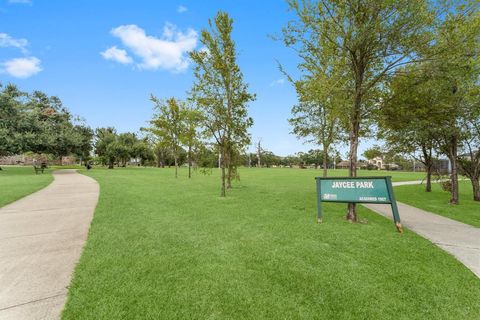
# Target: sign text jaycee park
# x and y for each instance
(357, 190)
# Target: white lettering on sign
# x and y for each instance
(364, 184)
(352, 185)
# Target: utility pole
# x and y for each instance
(259, 153)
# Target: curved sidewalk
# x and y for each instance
(459, 239)
(41, 239)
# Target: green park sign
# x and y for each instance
(357, 190)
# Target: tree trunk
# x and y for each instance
(325, 162)
(176, 167)
(355, 132)
(110, 165)
(454, 173)
(228, 163)
(222, 191)
(229, 177)
(476, 188)
(352, 170)
(428, 162)
(428, 186)
(189, 162)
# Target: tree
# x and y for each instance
(469, 161)
(369, 40)
(41, 124)
(142, 150)
(189, 138)
(405, 120)
(454, 79)
(12, 137)
(316, 116)
(106, 146)
(372, 153)
(316, 121)
(84, 143)
(126, 147)
(221, 94)
(168, 124)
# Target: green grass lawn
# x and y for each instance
(468, 211)
(160, 248)
(17, 182)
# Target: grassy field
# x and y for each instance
(161, 248)
(17, 182)
(468, 211)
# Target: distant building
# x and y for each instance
(380, 163)
(442, 166)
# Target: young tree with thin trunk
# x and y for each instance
(190, 139)
(168, 124)
(370, 39)
(221, 94)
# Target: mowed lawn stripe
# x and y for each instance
(161, 248)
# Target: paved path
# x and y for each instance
(41, 239)
(459, 239)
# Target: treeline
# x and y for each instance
(38, 123)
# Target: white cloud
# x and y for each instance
(118, 55)
(7, 41)
(181, 9)
(20, 1)
(278, 82)
(22, 67)
(167, 52)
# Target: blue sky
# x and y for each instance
(105, 58)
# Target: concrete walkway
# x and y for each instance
(41, 239)
(459, 239)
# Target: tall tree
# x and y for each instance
(221, 94)
(370, 40)
(454, 77)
